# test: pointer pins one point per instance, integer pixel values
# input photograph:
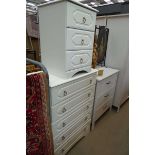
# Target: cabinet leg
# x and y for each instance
(118, 109)
(93, 125)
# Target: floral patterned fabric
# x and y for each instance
(39, 139)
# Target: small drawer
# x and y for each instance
(73, 138)
(105, 85)
(80, 17)
(64, 126)
(65, 108)
(59, 125)
(102, 108)
(105, 97)
(79, 39)
(78, 59)
(67, 90)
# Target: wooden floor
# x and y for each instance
(110, 136)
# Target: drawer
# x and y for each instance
(79, 39)
(105, 97)
(65, 108)
(59, 140)
(74, 137)
(65, 125)
(78, 59)
(105, 85)
(79, 17)
(102, 108)
(67, 90)
(60, 125)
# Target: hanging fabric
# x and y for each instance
(39, 139)
(102, 42)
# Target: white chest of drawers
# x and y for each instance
(66, 37)
(71, 109)
(105, 90)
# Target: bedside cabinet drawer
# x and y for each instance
(67, 90)
(79, 39)
(73, 139)
(78, 59)
(67, 124)
(105, 85)
(102, 108)
(79, 17)
(66, 107)
(105, 97)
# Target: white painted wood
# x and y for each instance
(78, 59)
(68, 106)
(60, 140)
(75, 137)
(72, 1)
(56, 38)
(79, 39)
(66, 124)
(104, 94)
(80, 17)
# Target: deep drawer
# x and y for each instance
(78, 59)
(79, 39)
(74, 137)
(67, 90)
(67, 107)
(79, 17)
(105, 97)
(102, 108)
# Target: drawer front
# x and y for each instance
(73, 124)
(79, 40)
(79, 17)
(69, 89)
(105, 97)
(66, 108)
(102, 108)
(78, 59)
(74, 138)
(61, 139)
(59, 125)
(105, 85)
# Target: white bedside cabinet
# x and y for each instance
(66, 36)
(71, 109)
(105, 90)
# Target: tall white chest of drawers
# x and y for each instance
(66, 37)
(71, 108)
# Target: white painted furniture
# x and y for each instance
(71, 109)
(66, 36)
(118, 53)
(105, 90)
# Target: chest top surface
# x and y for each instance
(107, 72)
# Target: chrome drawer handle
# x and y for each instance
(108, 82)
(82, 41)
(90, 81)
(63, 124)
(63, 137)
(65, 93)
(85, 118)
(81, 60)
(89, 95)
(106, 95)
(64, 110)
(84, 19)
